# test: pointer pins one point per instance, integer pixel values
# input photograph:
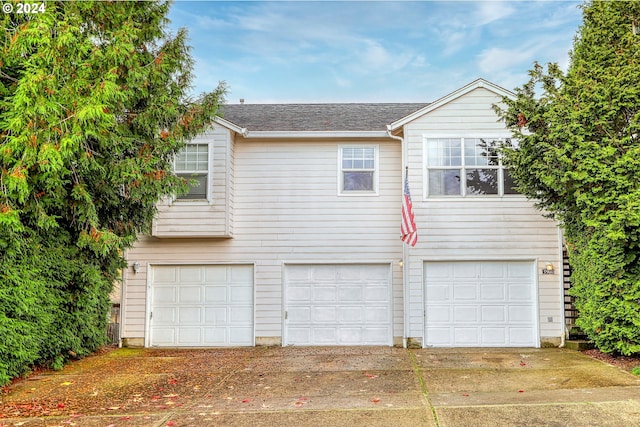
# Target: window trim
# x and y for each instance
(464, 168)
(376, 171)
(208, 198)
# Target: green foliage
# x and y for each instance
(578, 156)
(93, 107)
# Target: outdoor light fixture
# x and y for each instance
(136, 267)
(401, 263)
(548, 269)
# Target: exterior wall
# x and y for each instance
(476, 228)
(286, 209)
(189, 218)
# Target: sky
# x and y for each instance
(370, 51)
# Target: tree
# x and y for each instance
(578, 155)
(94, 104)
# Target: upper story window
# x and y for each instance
(465, 167)
(193, 163)
(358, 169)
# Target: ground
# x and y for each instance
(623, 362)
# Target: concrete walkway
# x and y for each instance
(338, 386)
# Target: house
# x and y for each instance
(292, 236)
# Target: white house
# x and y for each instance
(293, 235)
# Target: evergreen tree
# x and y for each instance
(94, 104)
(578, 154)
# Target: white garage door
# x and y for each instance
(201, 306)
(485, 304)
(338, 305)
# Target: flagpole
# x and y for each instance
(405, 277)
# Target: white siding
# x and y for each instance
(182, 218)
(286, 209)
(476, 228)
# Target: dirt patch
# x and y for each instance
(626, 363)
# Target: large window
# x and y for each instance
(465, 167)
(358, 169)
(192, 163)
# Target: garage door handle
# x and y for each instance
(286, 315)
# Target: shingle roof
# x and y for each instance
(317, 117)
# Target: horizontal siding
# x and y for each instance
(287, 209)
(198, 219)
(476, 228)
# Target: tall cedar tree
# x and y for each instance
(579, 156)
(93, 107)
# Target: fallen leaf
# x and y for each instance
(520, 391)
(173, 381)
(370, 375)
(465, 395)
(170, 395)
(247, 400)
(60, 405)
(171, 423)
(66, 384)
(375, 400)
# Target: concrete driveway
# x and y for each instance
(337, 386)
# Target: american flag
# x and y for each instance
(408, 230)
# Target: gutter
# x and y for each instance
(405, 255)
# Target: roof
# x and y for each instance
(348, 117)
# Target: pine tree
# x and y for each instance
(579, 156)
(94, 104)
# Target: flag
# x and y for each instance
(408, 231)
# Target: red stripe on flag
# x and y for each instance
(408, 230)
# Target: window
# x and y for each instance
(466, 167)
(192, 163)
(358, 170)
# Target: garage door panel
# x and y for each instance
(494, 336)
(215, 294)
(493, 313)
(190, 315)
(350, 294)
(492, 292)
(466, 336)
(165, 315)
(215, 315)
(191, 274)
(202, 306)
(465, 292)
(350, 315)
(492, 304)
(165, 295)
(325, 293)
(465, 313)
(376, 293)
(338, 304)
(438, 314)
(324, 314)
(190, 294)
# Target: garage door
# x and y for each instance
(201, 306)
(486, 304)
(338, 305)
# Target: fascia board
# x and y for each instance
(316, 134)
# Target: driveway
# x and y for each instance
(322, 386)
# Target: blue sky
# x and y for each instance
(360, 51)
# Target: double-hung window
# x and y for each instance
(465, 167)
(358, 169)
(193, 164)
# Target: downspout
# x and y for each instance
(405, 257)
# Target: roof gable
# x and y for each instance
(480, 83)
